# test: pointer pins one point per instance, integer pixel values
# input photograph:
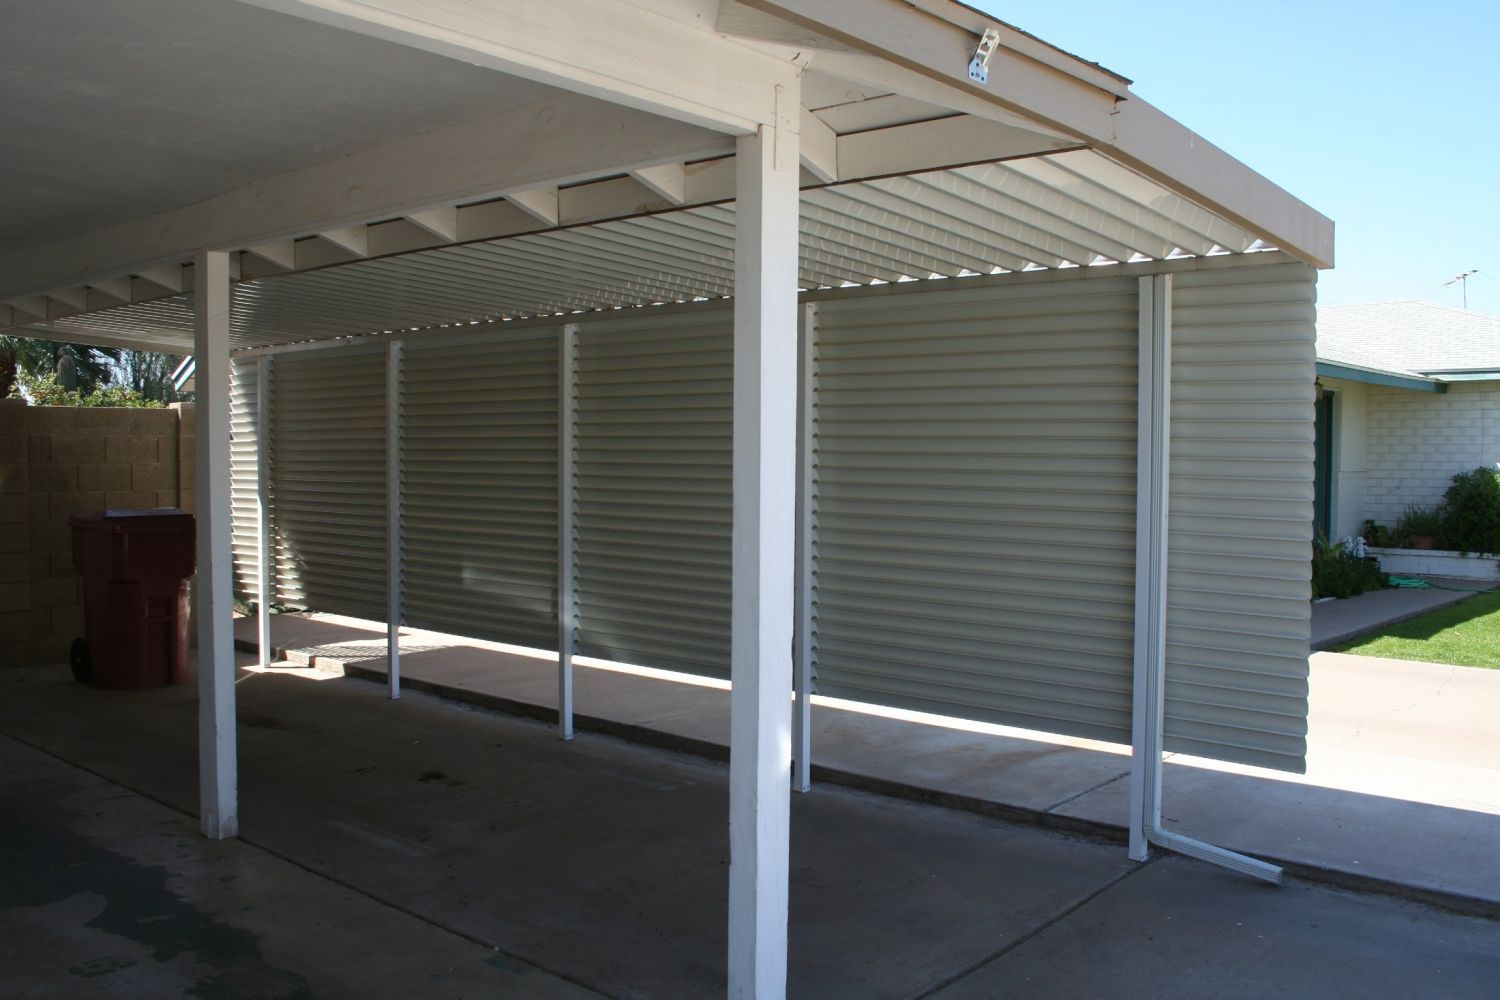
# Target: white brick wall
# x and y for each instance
(1416, 441)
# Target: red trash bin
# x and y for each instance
(135, 566)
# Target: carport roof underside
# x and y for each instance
(504, 182)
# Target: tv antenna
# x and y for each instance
(1463, 283)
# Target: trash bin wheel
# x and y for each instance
(79, 660)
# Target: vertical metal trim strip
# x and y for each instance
(393, 527)
(802, 648)
(263, 554)
(1154, 373)
(567, 613)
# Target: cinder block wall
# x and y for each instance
(56, 461)
(1418, 440)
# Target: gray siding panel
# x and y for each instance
(652, 496)
(1241, 513)
(329, 413)
(974, 524)
(479, 495)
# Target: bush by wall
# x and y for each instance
(1339, 571)
(1471, 511)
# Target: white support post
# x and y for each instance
(567, 619)
(1153, 481)
(802, 631)
(394, 533)
(1153, 422)
(765, 448)
(218, 798)
(264, 554)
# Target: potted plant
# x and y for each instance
(1419, 527)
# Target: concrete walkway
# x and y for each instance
(1402, 791)
(418, 848)
(1340, 620)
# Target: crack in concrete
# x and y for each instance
(1359, 723)
(1030, 935)
(1078, 795)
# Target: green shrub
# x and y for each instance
(1378, 535)
(1417, 521)
(1337, 571)
(1471, 511)
(44, 390)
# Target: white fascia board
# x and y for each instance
(605, 49)
(1064, 94)
(1151, 142)
(1077, 103)
(166, 344)
(561, 140)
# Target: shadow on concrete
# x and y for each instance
(606, 862)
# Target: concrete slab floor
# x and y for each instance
(1180, 930)
(598, 861)
(1401, 757)
(108, 894)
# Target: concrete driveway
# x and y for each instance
(421, 848)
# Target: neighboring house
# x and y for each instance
(1411, 395)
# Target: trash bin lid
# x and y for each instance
(149, 519)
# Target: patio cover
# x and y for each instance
(310, 169)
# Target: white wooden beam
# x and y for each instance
(616, 52)
(116, 287)
(765, 448)
(954, 141)
(166, 344)
(76, 297)
(539, 203)
(667, 180)
(218, 794)
(168, 277)
(440, 222)
(820, 148)
(352, 239)
(282, 253)
(561, 140)
(28, 309)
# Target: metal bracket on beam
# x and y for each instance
(979, 66)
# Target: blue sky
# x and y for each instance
(1380, 115)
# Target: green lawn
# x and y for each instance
(1466, 634)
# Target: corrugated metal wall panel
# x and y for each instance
(1238, 612)
(244, 404)
(329, 480)
(479, 494)
(652, 467)
(975, 465)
